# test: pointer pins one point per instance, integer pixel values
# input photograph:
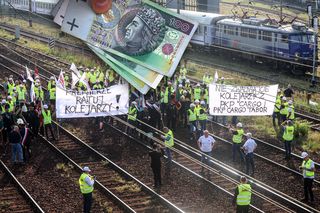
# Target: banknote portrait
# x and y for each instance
(141, 30)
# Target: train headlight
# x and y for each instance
(297, 56)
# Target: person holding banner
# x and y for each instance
(288, 135)
(237, 140)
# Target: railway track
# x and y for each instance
(128, 192)
(11, 191)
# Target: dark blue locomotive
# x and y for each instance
(286, 46)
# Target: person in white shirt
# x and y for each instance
(206, 144)
(248, 148)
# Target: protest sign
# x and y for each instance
(241, 100)
(113, 100)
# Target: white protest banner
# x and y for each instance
(94, 103)
(241, 100)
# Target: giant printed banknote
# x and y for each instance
(136, 30)
(135, 82)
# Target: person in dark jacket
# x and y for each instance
(8, 122)
(26, 137)
(155, 156)
(33, 119)
(15, 141)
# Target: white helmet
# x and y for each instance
(45, 106)
(197, 101)
(239, 125)
(187, 81)
(52, 78)
(134, 103)
(249, 135)
(20, 121)
(3, 101)
(180, 86)
(290, 102)
(284, 98)
(198, 85)
(203, 103)
(9, 97)
(192, 105)
(304, 154)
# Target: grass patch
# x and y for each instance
(312, 144)
(130, 187)
(64, 169)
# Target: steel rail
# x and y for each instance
(25, 193)
(150, 191)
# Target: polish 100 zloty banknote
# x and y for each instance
(138, 31)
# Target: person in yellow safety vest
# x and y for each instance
(101, 76)
(50, 82)
(202, 116)
(237, 140)
(132, 113)
(21, 91)
(290, 115)
(66, 80)
(242, 196)
(183, 70)
(38, 91)
(93, 77)
(288, 135)
(168, 142)
(204, 78)
(88, 74)
(86, 182)
(308, 169)
(11, 103)
(283, 109)
(192, 120)
(52, 94)
(98, 85)
(111, 76)
(3, 106)
(47, 121)
(197, 92)
(276, 111)
(205, 94)
(11, 85)
(197, 108)
(14, 95)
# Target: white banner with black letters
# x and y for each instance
(73, 104)
(241, 100)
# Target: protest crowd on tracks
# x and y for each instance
(28, 109)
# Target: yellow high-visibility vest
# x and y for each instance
(244, 196)
(169, 142)
(288, 133)
(46, 117)
(307, 165)
(238, 137)
(84, 187)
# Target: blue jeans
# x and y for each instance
(192, 128)
(287, 147)
(16, 152)
(236, 149)
(205, 159)
(203, 124)
(168, 154)
(249, 162)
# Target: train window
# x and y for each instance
(252, 33)
(205, 30)
(295, 38)
(275, 37)
(244, 32)
(259, 34)
(236, 31)
(224, 29)
(266, 36)
(230, 30)
(284, 38)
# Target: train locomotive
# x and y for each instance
(287, 46)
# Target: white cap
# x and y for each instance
(38, 81)
(187, 81)
(9, 97)
(20, 121)
(86, 169)
(304, 154)
(239, 125)
(45, 106)
(180, 85)
(249, 135)
(290, 102)
(284, 98)
(198, 85)
(10, 79)
(192, 105)
(197, 101)
(52, 78)
(3, 101)
(202, 102)
(169, 83)
(24, 81)
(134, 103)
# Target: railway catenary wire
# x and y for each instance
(14, 197)
(79, 153)
(265, 204)
(86, 50)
